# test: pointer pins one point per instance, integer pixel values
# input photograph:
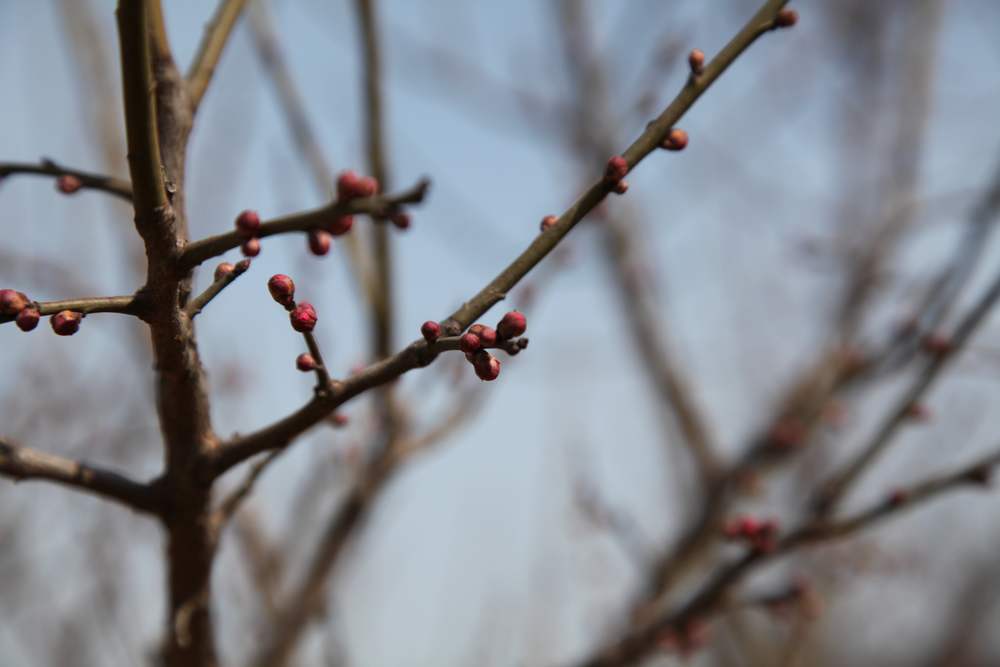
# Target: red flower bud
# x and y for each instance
(430, 330)
(338, 419)
(615, 170)
(319, 242)
(12, 301)
(341, 225)
(696, 60)
(282, 289)
(27, 319)
(352, 186)
(677, 140)
(621, 187)
(223, 270)
(66, 322)
(251, 247)
(487, 336)
(303, 317)
(248, 223)
(786, 18)
(487, 366)
(346, 185)
(512, 325)
(68, 184)
(401, 219)
(469, 343)
(548, 222)
(366, 187)
(305, 362)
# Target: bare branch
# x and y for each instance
(214, 40)
(20, 463)
(230, 505)
(115, 186)
(140, 109)
(834, 489)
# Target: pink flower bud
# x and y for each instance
(28, 318)
(305, 362)
(12, 301)
(319, 242)
(223, 270)
(487, 336)
(548, 222)
(696, 61)
(430, 330)
(621, 187)
(341, 225)
(248, 224)
(66, 322)
(615, 170)
(282, 289)
(68, 184)
(401, 219)
(338, 419)
(512, 325)
(366, 187)
(677, 140)
(347, 184)
(251, 247)
(469, 343)
(487, 366)
(786, 18)
(303, 317)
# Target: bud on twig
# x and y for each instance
(696, 61)
(512, 325)
(282, 289)
(430, 330)
(303, 317)
(341, 225)
(28, 318)
(786, 18)
(319, 242)
(248, 223)
(548, 222)
(677, 140)
(68, 184)
(66, 322)
(223, 270)
(12, 301)
(305, 362)
(251, 247)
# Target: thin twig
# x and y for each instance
(197, 304)
(216, 36)
(115, 186)
(230, 505)
(21, 463)
(197, 252)
(125, 305)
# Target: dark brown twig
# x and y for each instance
(216, 37)
(115, 186)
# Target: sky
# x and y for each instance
(478, 544)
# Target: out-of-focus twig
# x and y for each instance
(115, 186)
(216, 37)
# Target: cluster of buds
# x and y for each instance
(476, 341)
(614, 174)
(761, 535)
(68, 184)
(301, 315)
(17, 305)
(26, 314)
(248, 227)
(351, 186)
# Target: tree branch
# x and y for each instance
(419, 353)
(198, 251)
(140, 109)
(20, 463)
(115, 186)
(197, 304)
(126, 305)
(217, 34)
